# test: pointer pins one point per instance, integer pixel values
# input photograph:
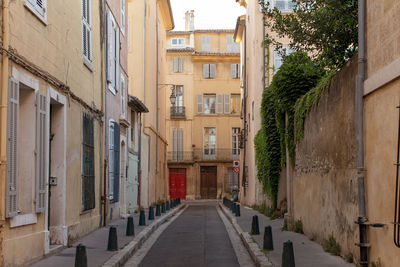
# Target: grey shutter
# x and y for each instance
(227, 104)
(88, 181)
(220, 103)
(206, 43)
(12, 148)
(181, 64)
(116, 161)
(174, 144)
(117, 59)
(41, 145)
(109, 47)
(213, 71)
(199, 102)
(180, 144)
(229, 43)
(175, 64)
(233, 70)
(206, 71)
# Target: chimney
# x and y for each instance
(189, 20)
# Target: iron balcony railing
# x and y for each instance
(200, 155)
(177, 112)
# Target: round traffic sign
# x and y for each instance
(236, 169)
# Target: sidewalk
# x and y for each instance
(306, 252)
(96, 244)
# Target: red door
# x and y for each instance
(177, 183)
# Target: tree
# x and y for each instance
(326, 29)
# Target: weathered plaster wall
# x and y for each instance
(325, 175)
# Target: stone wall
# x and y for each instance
(325, 175)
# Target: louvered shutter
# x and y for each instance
(88, 175)
(39, 5)
(220, 103)
(174, 144)
(213, 71)
(175, 64)
(86, 30)
(233, 70)
(181, 64)
(229, 41)
(41, 144)
(123, 15)
(117, 47)
(180, 144)
(199, 102)
(116, 161)
(277, 61)
(206, 43)
(110, 57)
(12, 148)
(227, 103)
(206, 71)
(111, 160)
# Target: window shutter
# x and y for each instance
(199, 100)
(206, 71)
(219, 103)
(41, 144)
(111, 160)
(116, 161)
(117, 58)
(174, 144)
(109, 47)
(180, 144)
(175, 64)
(277, 61)
(12, 148)
(89, 43)
(122, 96)
(227, 104)
(213, 71)
(206, 43)
(123, 15)
(181, 64)
(88, 176)
(233, 70)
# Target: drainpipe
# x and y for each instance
(144, 88)
(244, 111)
(264, 64)
(140, 157)
(4, 86)
(362, 216)
(157, 66)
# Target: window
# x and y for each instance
(278, 56)
(123, 106)
(178, 64)
(113, 161)
(235, 104)
(209, 104)
(177, 144)
(206, 43)
(231, 45)
(179, 96)
(235, 71)
(88, 178)
(210, 141)
(38, 7)
(209, 71)
(285, 5)
(86, 30)
(235, 141)
(123, 16)
(178, 41)
(233, 180)
(112, 53)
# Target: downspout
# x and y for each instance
(362, 216)
(4, 86)
(157, 66)
(140, 157)
(244, 111)
(104, 197)
(144, 87)
(263, 45)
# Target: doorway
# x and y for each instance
(133, 182)
(208, 182)
(177, 183)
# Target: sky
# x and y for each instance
(208, 14)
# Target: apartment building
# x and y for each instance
(148, 23)
(51, 126)
(203, 111)
(259, 63)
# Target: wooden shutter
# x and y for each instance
(180, 144)
(116, 161)
(227, 103)
(86, 30)
(41, 145)
(199, 102)
(88, 177)
(206, 43)
(181, 64)
(39, 6)
(213, 71)
(220, 103)
(175, 64)
(12, 148)
(229, 43)
(111, 161)
(123, 15)
(206, 71)
(110, 57)
(233, 70)
(117, 47)
(174, 143)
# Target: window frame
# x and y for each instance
(237, 98)
(87, 24)
(289, 5)
(235, 140)
(178, 43)
(204, 143)
(33, 6)
(90, 175)
(209, 96)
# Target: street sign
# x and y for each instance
(236, 169)
(236, 164)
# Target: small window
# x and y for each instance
(210, 142)
(178, 64)
(86, 31)
(285, 5)
(235, 71)
(209, 104)
(235, 141)
(209, 71)
(235, 104)
(179, 95)
(177, 41)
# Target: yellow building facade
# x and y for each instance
(51, 128)
(204, 120)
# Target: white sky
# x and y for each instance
(208, 14)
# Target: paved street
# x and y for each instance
(198, 237)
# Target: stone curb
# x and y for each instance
(257, 255)
(124, 254)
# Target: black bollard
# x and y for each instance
(80, 256)
(288, 254)
(151, 213)
(130, 230)
(233, 207)
(163, 207)
(268, 241)
(237, 213)
(179, 200)
(167, 205)
(158, 211)
(171, 204)
(112, 239)
(142, 218)
(255, 230)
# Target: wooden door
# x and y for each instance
(133, 182)
(177, 183)
(208, 182)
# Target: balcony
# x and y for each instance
(177, 112)
(201, 155)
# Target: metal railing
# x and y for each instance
(198, 155)
(177, 112)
